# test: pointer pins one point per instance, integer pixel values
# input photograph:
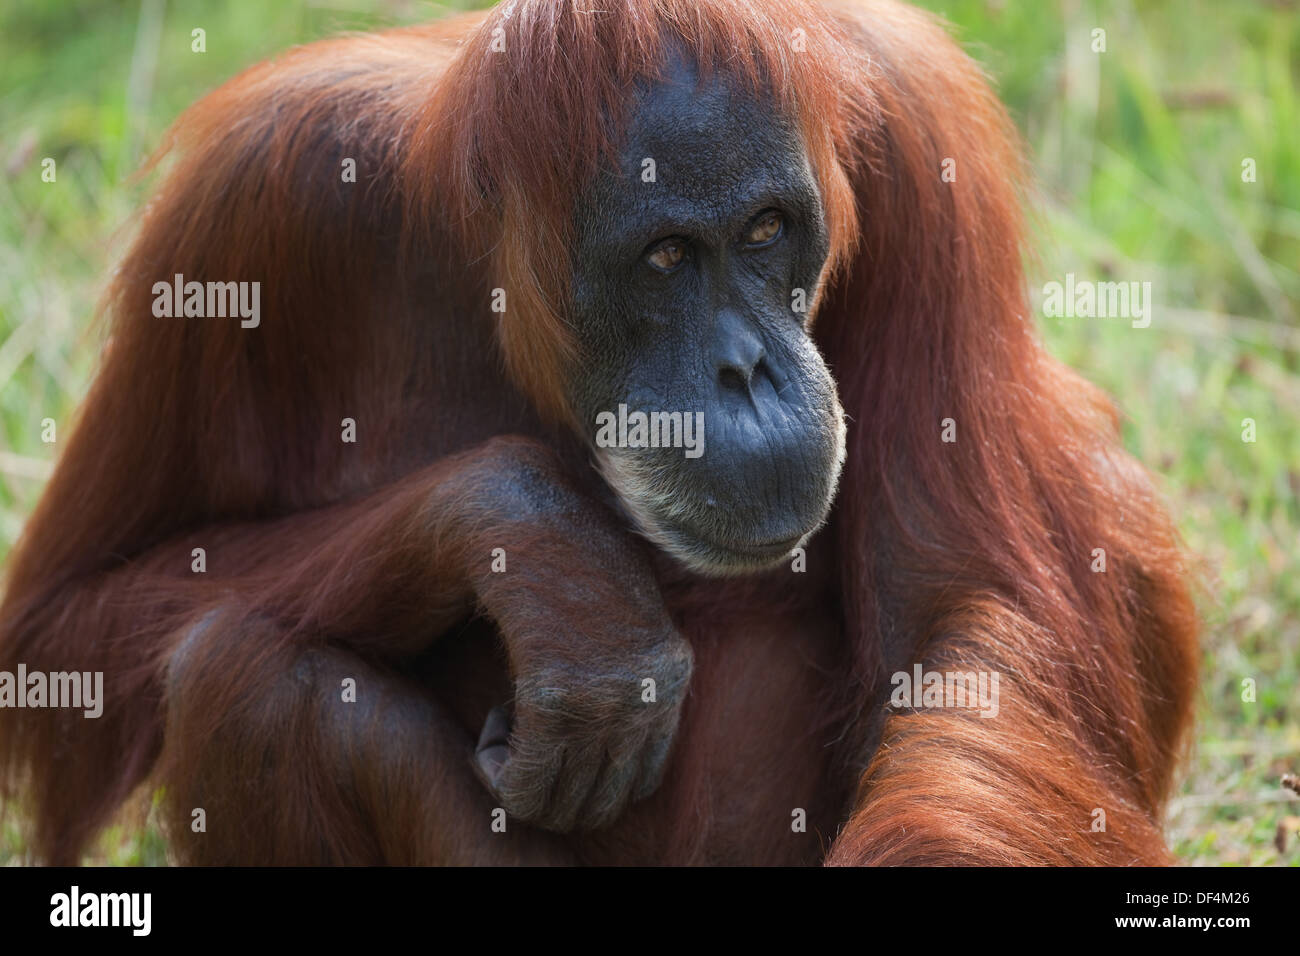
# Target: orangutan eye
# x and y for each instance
(668, 255)
(766, 229)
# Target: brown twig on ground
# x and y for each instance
(1285, 826)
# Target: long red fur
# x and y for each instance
(973, 555)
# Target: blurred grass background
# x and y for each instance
(1138, 152)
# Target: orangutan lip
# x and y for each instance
(767, 550)
(734, 554)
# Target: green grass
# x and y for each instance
(1138, 152)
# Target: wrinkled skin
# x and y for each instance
(718, 333)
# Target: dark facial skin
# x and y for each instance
(684, 290)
